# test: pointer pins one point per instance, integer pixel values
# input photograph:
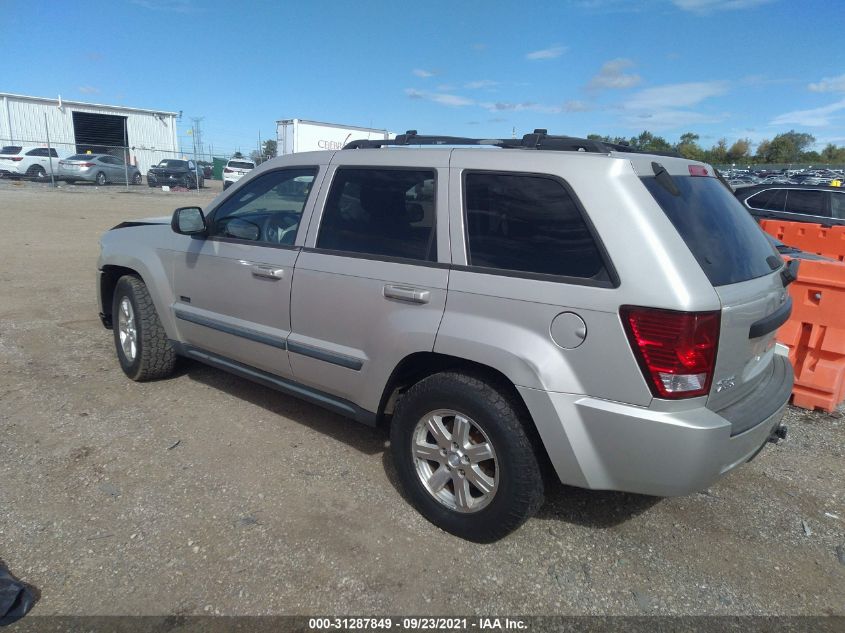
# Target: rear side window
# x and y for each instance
(529, 224)
(38, 151)
(720, 233)
(806, 202)
(837, 205)
(768, 200)
(387, 212)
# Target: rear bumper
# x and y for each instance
(614, 446)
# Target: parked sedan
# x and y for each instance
(97, 168)
(795, 203)
(174, 172)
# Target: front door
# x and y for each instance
(232, 288)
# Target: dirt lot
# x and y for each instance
(208, 494)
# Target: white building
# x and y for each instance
(76, 127)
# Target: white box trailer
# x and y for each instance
(300, 135)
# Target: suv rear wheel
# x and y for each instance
(464, 458)
(142, 346)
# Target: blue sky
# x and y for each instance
(720, 68)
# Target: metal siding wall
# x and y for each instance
(155, 133)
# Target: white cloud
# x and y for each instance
(709, 6)
(547, 53)
(577, 106)
(671, 119)
(531, 106)
(420, 72)
(675, 95)
(611, 76)
(439, 97)
(88, 90)
(815, 117)
(481, 83)
(829, 84)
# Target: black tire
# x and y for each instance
(154, 356)
(519, 492)
(37, 172)
(136, 179)
(100, 179)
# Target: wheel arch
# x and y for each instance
(419, 365)
(109, 276)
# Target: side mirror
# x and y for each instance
(188, 221)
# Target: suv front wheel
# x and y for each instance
(463, 457)
(142, 346)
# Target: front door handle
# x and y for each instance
(267, 272)
(407, 293)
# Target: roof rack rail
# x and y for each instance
(539, 139)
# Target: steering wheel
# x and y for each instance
(280, 227)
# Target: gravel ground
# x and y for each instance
(207, 494)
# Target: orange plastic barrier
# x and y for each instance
(815, 334)
(813, 238)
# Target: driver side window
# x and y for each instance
(267, 209)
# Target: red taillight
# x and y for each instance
(87, 164)
(675, 350)
(226, 170)
(698, 170)
(17, 158)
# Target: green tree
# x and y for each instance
(740, 150)
(648, 142)
(719, 152)
(688, 146)
(270, 148)
(762, 154)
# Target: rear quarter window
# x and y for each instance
(723, 237)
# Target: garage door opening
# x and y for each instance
(100, 133)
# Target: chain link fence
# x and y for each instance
(43, 160)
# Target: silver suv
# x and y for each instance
(554, 302)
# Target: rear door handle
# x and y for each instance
(407, 293)
(267, 272)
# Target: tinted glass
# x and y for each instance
(174, 164)
(54, 153)
(11, 149)
(720, 233)
(759, 200)
(267, 209)
(777, 201)
(80, 157)
(387, 212)
(806, 202)
(237, 164)
(528, 224)
(38, 151)
(837, 205)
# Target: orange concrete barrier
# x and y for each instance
(813, 238)
(815, 334)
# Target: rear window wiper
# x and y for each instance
(664, 179)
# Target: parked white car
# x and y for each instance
(236, 169)
(17, 161)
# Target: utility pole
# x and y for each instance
(198, 135)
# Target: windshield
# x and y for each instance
(173, 164)
(720, 233)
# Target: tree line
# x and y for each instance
(785, 148)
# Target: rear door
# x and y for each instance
(370, 286)
(741, 264)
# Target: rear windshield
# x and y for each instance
(240, 164)
(722, 235)
(11, 149)
(81, 157)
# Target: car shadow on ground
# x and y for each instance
(589, 508)
(365, 439)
